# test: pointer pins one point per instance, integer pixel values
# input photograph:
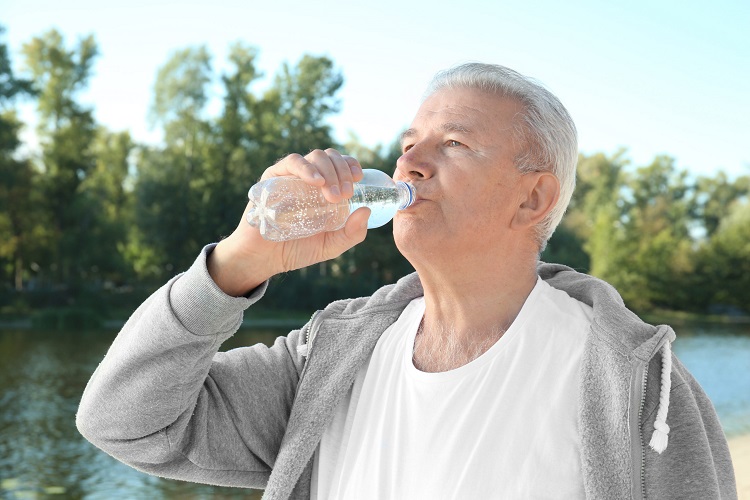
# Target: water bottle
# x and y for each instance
(286, 208)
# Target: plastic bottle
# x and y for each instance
(286, 208)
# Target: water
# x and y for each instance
(42, 376)
(718, 356)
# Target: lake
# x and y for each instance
(42, 376)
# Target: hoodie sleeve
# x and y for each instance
(697, 463)
(166, 402)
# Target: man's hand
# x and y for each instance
(244, 260)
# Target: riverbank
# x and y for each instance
(117, 324)
(739, 447)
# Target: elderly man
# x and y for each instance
(485, 374)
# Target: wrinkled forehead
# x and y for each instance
(467, 110)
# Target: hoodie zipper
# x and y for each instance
(309, 336)
(640, 431)
(308, 333)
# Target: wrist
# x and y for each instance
(235, 272)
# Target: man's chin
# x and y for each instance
(415, 241)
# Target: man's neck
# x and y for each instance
(468, 308)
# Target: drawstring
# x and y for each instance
(661, 430)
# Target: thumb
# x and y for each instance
(353, 233)
(356, 225)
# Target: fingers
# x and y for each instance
(329, 169)
(354, 166)
(294, 164)
(336, 172)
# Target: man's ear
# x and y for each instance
(539, 194)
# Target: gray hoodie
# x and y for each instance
(164, 400)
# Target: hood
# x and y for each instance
(627, 332)
(623, 330)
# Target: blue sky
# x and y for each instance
(658, 77)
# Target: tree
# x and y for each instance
(19, 215)
(586, 237)
(167, 195)
(653, 262)
(712, 197)
(181, 95)
(301, 99)
(18, 210)
(10, 86)
(66, 132)
(726, 261)
(109, 193)
(234, 161)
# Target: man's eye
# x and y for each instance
(453, 143)
(406, 148)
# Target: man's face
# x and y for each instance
(459, 154)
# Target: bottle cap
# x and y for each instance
(411, 192)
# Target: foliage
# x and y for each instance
(95, 212)
(656, 235)
(66, 132)
(726, 259)
(18, 212)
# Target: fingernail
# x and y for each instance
(346, 188)
(356, 170)
(317, 176)
(335, 191)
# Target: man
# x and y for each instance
(484, 375)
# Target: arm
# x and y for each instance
(166, 402)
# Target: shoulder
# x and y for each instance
(611, 320)
(395, 295)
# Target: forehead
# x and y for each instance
(466, 110)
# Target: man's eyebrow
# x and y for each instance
(454, 127)
(445, 127)
(406, 134)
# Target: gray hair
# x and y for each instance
(547, 132)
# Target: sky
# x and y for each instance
(655, 77)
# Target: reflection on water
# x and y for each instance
(42, 376)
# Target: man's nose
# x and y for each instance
(414, 164)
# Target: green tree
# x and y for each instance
(234, 161)
(712, 197)
(20, 225)
(109, 193)
(653, 262)
(18, 212)
(300, 101)
(587, 236)
(167, 198)
(724, 262)
(66, 132)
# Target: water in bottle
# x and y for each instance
(286, 208)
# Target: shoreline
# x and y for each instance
(739, 447)
(117, 324)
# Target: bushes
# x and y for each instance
(68, 318)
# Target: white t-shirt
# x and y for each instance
(502, 426)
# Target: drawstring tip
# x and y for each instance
(660, 437)
(303, 350)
